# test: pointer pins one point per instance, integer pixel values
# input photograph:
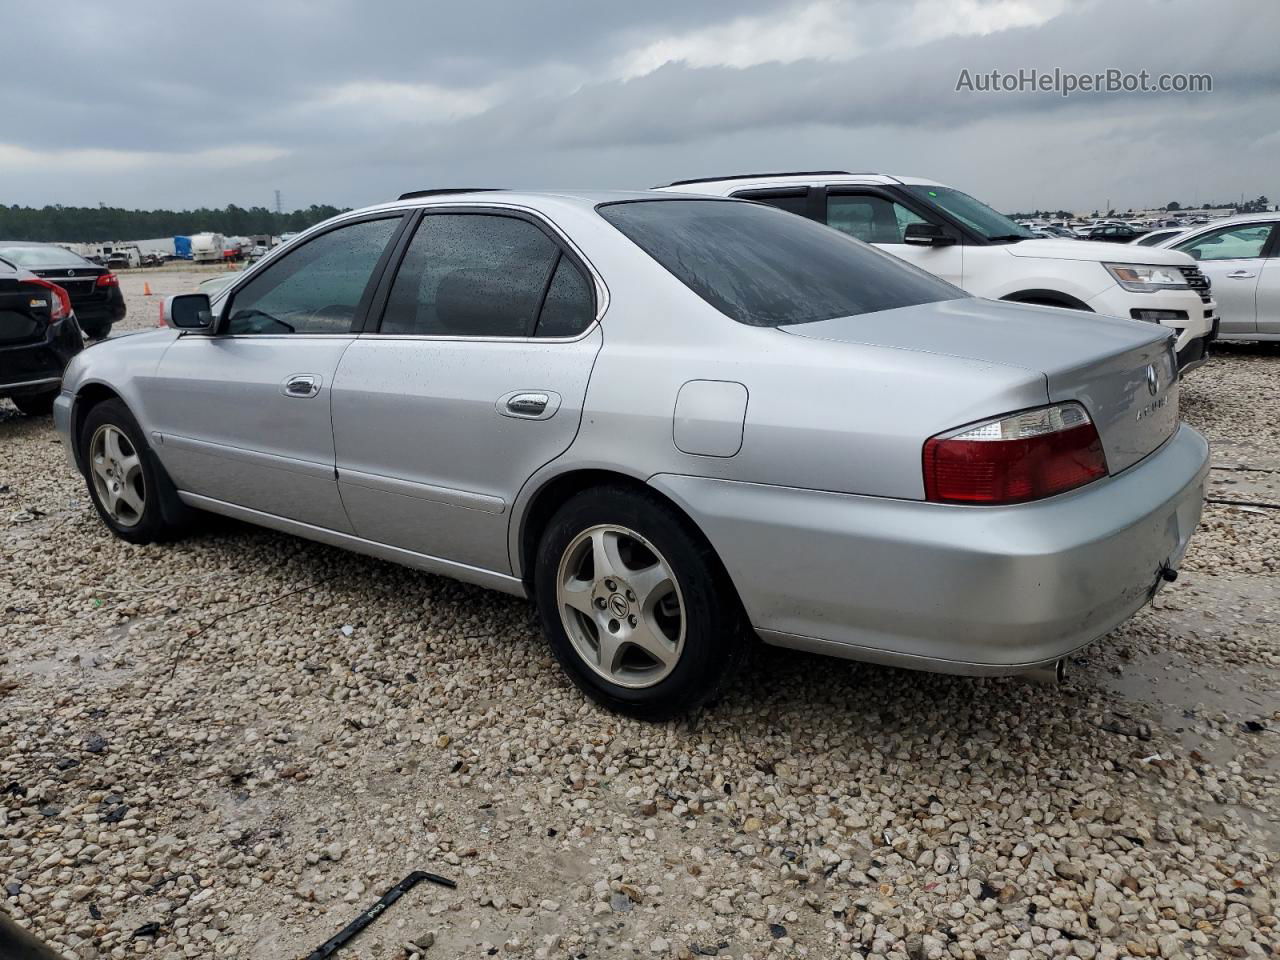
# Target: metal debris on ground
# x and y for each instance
(348, 933)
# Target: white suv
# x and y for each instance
(962, 240)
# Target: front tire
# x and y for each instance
(36, 404)
(635, 604)
(128, 487)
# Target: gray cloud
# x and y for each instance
(351, 103)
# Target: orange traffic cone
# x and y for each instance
(146, 289)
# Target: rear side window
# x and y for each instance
(790, 201)
(315, 288)
(471, 275)
(767, 268)
(869, 218)
(569, 307)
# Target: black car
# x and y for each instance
(95, 290)
(1114, 233)
(38, 337)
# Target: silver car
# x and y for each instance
(1241, 256)
(672, 422)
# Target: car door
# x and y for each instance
(473, 380)
(876, 218)
(243, 416)
(1232, 258)
(1268, 295)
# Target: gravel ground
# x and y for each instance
(230, 746)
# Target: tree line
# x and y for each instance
(95, 224)
(1259, 205)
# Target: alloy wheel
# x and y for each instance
(116, 470)
(621, 606)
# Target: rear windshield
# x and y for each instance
(768, 268)
(40, 256)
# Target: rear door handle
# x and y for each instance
(1241, 274)
(529, 404)
(301, 385)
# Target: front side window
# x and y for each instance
(1244, 241)
(316, 288)
(472, 275)
(767, 268)
(869, 218)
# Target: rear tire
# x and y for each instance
(36, 404)
(130, 490)
(635, 604)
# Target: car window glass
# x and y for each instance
(791, 202)
(766, 268)
(869, 218)
(1241, 242)
(315, 288)
(569, 307)
(39, 257)
(471, 275)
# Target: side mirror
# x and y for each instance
(926, 235)
(188, 311)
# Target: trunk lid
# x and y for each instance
(22, 317)
(1105, 363)
(81, 283)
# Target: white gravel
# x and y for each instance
(185, 777)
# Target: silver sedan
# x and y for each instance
(671, 421)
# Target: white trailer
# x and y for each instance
(207, 247)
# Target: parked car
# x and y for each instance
(38, 337)
(1113, 233)
(1063, 233)
(1154, 238)
(967, 243)
(94, 289)
(1242, 257)
(548, 395)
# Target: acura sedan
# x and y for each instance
(672, 422)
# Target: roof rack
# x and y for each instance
(756, 176)
(437, 191)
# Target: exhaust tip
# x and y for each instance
(1049, 673)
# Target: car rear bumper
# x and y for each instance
(36, 367)
(954, 589)
(97, 315)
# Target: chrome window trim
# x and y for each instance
(374, 335)
(601, 288)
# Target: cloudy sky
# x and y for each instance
(177, 104)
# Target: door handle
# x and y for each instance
(529, 404)
(1241, 274)
(301, 385)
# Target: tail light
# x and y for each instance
(108, 280)
(59, 299)
(1024, 456)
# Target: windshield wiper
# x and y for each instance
(1011, 236)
